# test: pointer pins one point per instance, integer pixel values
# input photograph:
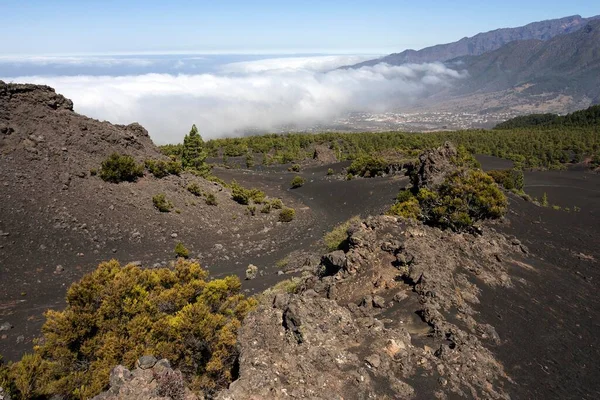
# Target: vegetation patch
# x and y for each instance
(161, 168)
(181, 250)
(194, 189)
(336, 239)
(120, 168)
(161, 203)
(465, 197)
(244, 196)
(211, 199)
(510, 179)
(297, 182)
(287, 215)
(368, 166)
(116, 314)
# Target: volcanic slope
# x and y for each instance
(58, 220)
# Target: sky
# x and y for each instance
(260, 26)
(239, 67)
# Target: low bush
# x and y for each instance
(160, 168)
(277, 204)
(337, 237)
(368, 166)
(211, 199)
(181, 250)
(266, 209)
(509, 178)
(287, 215)
(120, 168)
(194, 189)
(244, 196)
(329, 171)
(251, 210)
(116, 314)
(297, 182)
(161, 203)
(462, 199)
(294, 168)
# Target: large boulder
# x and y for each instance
(433, 167)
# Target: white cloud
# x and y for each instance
(76, 61)
(317, 64)
(257, 95)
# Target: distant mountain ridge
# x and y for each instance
(485, 42)
(568, 64)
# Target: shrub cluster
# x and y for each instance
(510, 179)
(462, 199)
(211, 199)
(120, 168)
(194, 189)
(297, 182)
(161, 203)
(116, 314)
(244, 196)
(181, 250)
(287, 215)
(161, 168)
(336, 238)
(368, 166)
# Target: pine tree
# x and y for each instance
(193, 150)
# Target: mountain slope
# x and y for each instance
(567, 64)
(484, 42)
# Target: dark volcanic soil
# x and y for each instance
(550, 322)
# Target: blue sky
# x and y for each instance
(260, 26)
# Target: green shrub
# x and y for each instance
(287, 215)
(294, 168)
(211, 199)
(462, 199)
(337, 237)
(368, 166)
(161, 203)
(330, 171)
(243, 196)
(266, 209)
(297, 182)
(93, 172)
(120, 168)
(251, 210)
(116, 314)
(181, 251)
(277, 204)
(509, 178)
(282, 263)
(409, 208)
(160, 168)
(349, 177)
(404, 195)
(194, 189)
(544, 202)
(249, 160)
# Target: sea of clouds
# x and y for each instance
(235, 97)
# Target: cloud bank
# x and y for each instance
(258, 95)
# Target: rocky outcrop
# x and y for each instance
(152, 379)
(397, 307)
(433, 167)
